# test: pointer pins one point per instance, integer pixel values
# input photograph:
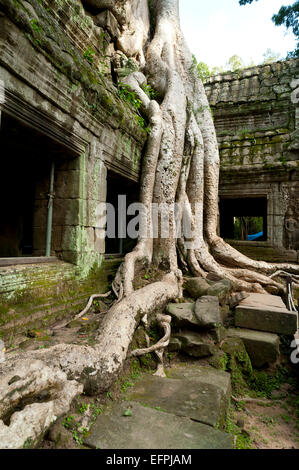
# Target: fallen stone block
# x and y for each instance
(236, 298)
(265, 312)
(218, 333)
(195, 344)
(207, 311)
(262, 347)
(175, 345)
(196, 287)
(183, 315)
(221, 289)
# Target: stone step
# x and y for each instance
(129, 425)
(262, 347)
(194, 393)
(265, 312)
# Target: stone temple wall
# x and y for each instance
(256, 115)
(58, 103)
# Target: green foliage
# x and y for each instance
(283, 160)
(76, 437)
(83, 408)
(286, 418)
(125, 386)
(135, 370)
(204, 71)
(142, 123)
(263, 384)
(89, 55)
(235, 63)
(239, 364)
(128, 95)
(149, 91)
(242, 440)
(244, 226)
(35, 25)
(68, 422)
(28, 443)
(96, 411)
(289, 17)
(220, 360)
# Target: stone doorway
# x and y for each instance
(244, 219)
(120, 243)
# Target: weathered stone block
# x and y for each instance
(183, 315)
(113, 430)
(66, 211)
(207, 311)
(218, 333)
(221, 290)
(198, 393)
(174, 345)
(196, 344)
(196, 287)
(67, 184)
(262, 347)
(266, 313)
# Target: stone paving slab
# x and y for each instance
(263, 300)
(203, 374)
(147, 428)
(265, 312)
(262, 347)
(201, 401)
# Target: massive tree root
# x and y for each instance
(37, 387)
(180, 164)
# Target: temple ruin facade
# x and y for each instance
(69, 142)
(256, 113)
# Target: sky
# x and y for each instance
(215, 30)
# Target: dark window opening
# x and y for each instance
(120, 186)
(243, 219)
(25, 164)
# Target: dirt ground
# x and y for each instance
(273, 424)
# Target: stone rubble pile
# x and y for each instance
(259, 320)
(198, 326)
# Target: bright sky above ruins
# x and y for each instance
(215, 30)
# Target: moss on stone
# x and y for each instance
(239, 364)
